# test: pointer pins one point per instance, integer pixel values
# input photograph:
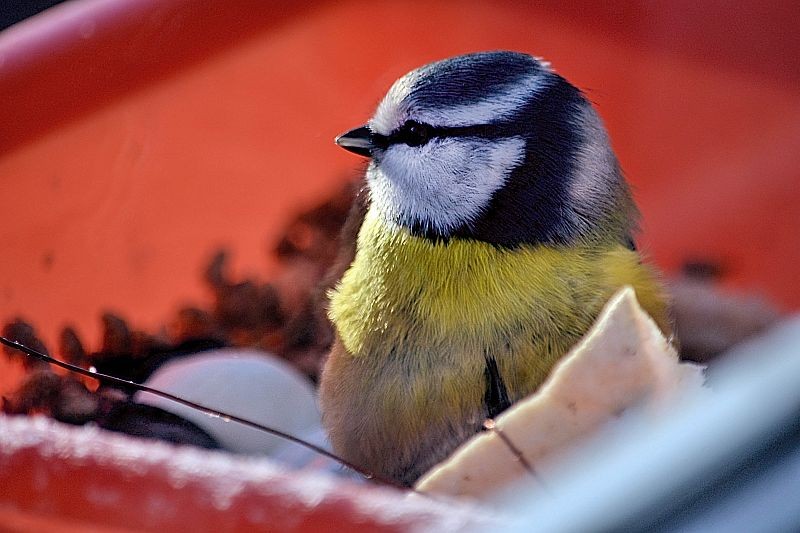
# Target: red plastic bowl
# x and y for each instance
(138, 135)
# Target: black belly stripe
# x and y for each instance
(496, 396)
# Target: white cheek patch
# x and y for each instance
(443, 184)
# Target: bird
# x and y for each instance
(495, 224)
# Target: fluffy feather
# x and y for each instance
(445, 184)
(404, 384)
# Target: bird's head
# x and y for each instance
(496, 147)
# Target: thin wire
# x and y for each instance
(489, 425)
(207, 410)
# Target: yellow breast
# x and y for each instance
(416, 321)
(475, 296)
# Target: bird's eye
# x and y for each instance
(413, 133)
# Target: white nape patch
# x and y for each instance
(397, 106)
(444, 183)
(594, 176)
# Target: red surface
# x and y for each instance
(63, 478)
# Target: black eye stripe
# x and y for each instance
(413, 133)
(417, 134)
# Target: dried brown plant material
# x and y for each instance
(71, 348)
(37, 394)
(116, 335)
(313, 233)
(76, 403)
(215, 274)
(193, 323)
(62, 397)
(241, 305)
(23, 332)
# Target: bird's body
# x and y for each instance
(490, 244)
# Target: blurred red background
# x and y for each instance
(138, 136)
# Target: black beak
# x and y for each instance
(358, 141)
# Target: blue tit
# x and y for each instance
(497, 224)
